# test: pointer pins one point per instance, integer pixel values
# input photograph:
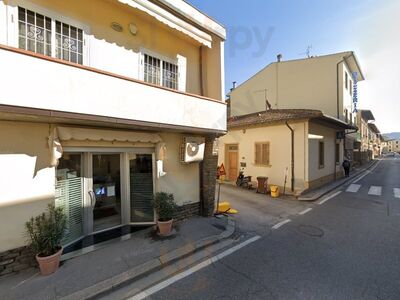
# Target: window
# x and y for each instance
(337, 153)
(351, 88)
(47, 36)
(321, 154)
(346, 115)
(346, 79)
(34, 32)
(262, 154)
(69, 43)
(160, 72)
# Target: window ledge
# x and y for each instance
(261, 165)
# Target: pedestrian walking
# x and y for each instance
(346, 167)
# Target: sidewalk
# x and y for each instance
(315, 194)
(117, 263)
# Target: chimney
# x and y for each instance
(279, 57)
(233, 86)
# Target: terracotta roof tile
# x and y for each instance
(273, 116)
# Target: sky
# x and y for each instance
(258, 30)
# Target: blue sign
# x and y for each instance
(355, 94)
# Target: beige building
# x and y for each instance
(394, 146)
(103, 103)
(300, 144)
(326, 83)
(362, 147)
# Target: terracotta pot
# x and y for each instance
(49, 264)
(164, 227)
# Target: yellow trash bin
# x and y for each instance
(274, 191)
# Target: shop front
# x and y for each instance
(104, 188)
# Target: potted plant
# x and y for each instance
(165, 207)
(46, 232)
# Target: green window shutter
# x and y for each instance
(69, 195)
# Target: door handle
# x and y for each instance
(92, 198)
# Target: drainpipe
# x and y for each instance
(292, 155)
(201, 62)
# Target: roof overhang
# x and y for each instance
(373, 127)
(170, 20)
(333, 122)
(193, 14)
(354, 66)
(367, 115)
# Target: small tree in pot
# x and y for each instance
(46, 232)
(165, 207)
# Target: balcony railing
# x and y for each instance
(35, 81)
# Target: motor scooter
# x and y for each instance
(243, 181)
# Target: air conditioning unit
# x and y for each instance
(192, 149)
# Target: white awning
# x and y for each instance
(87, 134)
(60, 134)
(170, 20)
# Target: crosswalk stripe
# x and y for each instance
(396, 192)
(375, 190)
(353, 188)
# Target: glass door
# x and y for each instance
(141, 187)
(70, 194)
(106, 191)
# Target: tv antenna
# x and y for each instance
(308, 51)
(267, 104)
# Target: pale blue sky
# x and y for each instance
(260, 29)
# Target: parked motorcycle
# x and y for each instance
(243, 181)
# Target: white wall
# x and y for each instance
(3, 23)
(26, 180)
(182, 180)
(279, 137)
(329, 138)
(71, 89)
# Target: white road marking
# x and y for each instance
(276, 226)
(353, 188)
(329, 197)
(396, 192)
(158, 287)
(375, 190)
(305, 211)
(367, 172)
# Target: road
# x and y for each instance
(348, 247)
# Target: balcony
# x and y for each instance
(34, 81)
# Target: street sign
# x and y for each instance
(221, 170)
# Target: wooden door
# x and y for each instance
(232, 162)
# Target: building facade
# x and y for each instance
(100, 103)
(327, 83)
(393, 146)
(296, 149)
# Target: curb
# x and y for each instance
(151, 266)
(323, 193)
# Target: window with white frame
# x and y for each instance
(69, 42)
(160, 72)
(48, 36)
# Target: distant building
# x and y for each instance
(325, 83)
(299, 143)
(394, 145)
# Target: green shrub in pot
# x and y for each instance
(165, 207)
(45, 233)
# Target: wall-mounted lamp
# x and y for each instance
(117, 27)
(133, 29)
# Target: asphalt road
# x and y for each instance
(346, 248)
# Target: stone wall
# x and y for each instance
(208, 172)
(187, 211)
(16, 260)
